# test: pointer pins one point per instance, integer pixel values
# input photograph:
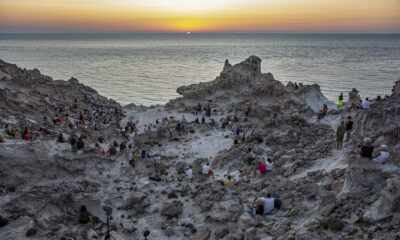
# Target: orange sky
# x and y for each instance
(200, 16)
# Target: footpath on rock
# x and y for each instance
(64, 146)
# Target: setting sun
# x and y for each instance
(199, 16)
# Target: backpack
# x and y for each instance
(277, 203)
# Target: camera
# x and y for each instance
(108, 210)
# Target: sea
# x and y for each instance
(147, 68)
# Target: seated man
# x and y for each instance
(250, 156)
(268, 204)
(84, 215)
(155, 176)
(366, 149)
(382, 155)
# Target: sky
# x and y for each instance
(382, 16)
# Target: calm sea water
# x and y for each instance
(146, 69)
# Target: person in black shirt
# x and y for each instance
(367, 149)
(349, 128)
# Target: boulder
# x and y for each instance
(335, 224)
(3, 221)
(204, 235)
(173, 209)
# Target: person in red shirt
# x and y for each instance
(112, 150)
(261, 167)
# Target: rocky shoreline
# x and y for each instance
(325, 193)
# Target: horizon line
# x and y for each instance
(205, 32)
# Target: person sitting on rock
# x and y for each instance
(122, 147)
(323, 112)
(382, 155)
(112, 150)
(261, 167)
(60, 138)
(72, 141)
(84, 215)
(143, 155)
(268, 164)
(80, 144)
(208, 171)
(99, 149)
(166, 177)
(242, 178)
(269, 204)
(250, 156)
(366, 150)
(227, 182)
(366, 104)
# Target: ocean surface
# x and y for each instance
(147, 68)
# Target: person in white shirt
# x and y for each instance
(269, 164)
(189, 173)
(268, 204)
(382, 155)
(207, 170)
(366, 104)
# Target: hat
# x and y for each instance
(384, 146)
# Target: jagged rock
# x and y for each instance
(173, 209)
(354, 218)
(328, 209)
(220, 233)
(306, 235)
(3, 221)
(251, 233)
(388, 202)
(137, 201)
(354, 97)
(335, 224)
(204, 235)
(31, 232)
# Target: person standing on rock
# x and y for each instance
(157, 160)
(349, 128)
(189, 173)
(208, 171)
(340, 102)
(340, 131)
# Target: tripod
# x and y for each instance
(108, 236)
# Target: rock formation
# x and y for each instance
(325, 193)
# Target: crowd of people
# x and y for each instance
(83, 124)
